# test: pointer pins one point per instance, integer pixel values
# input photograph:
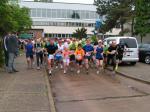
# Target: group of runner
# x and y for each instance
(72, 53)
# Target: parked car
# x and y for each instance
(131, 44)
(144, 53)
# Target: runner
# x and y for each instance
(79, 53)
(72, 48)
(29, 54)
(112, 50)
(51, 49)
(99, 56)
(119, 55)
(58, 56)
(88, 48)
(66, 59)
(105, 55)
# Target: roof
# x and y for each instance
(58, 5)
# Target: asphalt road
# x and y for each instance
(98, 93)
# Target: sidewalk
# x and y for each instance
(140, 72)
(25, 91)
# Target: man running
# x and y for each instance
(51, 49)
(29, 54)
(112, 50)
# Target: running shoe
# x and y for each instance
(64, 71)
(78, 71)
(97, 72)
(116, 68)
(50, 72)
(56, 67)
(61, 66)
(38, 68)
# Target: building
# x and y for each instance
(43, 0)
(14, 1)
(61, 19)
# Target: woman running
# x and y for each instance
(99, 56)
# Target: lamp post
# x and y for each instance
(132, 24)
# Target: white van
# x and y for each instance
(131, 54)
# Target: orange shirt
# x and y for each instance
(79, 54)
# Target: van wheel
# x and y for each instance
(133, 63)
(147, 59)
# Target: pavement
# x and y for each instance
(139, 72)
(25, 91)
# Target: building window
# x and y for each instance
(39, 12)
(33, 12)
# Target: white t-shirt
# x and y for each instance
(60, 47)
(66, 45)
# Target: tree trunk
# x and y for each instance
(132, 27)
(122, 29)
(141, 39)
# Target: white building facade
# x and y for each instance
(61, 19)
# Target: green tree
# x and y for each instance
(80, 33)
(142, 25)
(12, 18)
(115, 12)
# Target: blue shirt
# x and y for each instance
(88, 48)
(99, 50)
(29, 49)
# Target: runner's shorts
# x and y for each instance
(58, 57)
(119, 57)
(67, 61)
(88, 57)
(50, 56)
(79, 62)
(72, 57)
(28, 55)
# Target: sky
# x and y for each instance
(72, 1)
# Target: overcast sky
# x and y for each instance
(72, 1)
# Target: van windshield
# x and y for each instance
(129, 42)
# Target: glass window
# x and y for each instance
(87, 15)
(64, 13)
(49, 14)
(33, 12)
(63, 35)
(39, 12)
(54, 13)
(59, 14)
(129, 43)
(43, 12)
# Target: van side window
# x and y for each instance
(129, 42)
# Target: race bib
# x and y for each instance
(79, 57)
(88, 54)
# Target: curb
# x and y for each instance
(129, 77)
(50, 96)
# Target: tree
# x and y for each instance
(142, 25)
(115, 12)
(80, 33)
(12, 18)
(75, 15)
